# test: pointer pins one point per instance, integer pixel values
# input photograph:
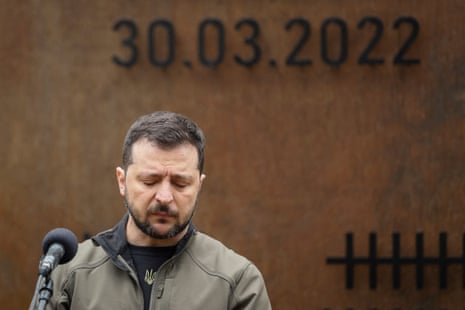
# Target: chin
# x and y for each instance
(163, 233)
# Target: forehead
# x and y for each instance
(150, 155)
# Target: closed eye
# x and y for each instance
(180, 185)
(181, 181)
(149, 183)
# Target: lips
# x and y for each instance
(163, 214)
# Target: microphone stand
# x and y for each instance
(42, 292)
(45, 293)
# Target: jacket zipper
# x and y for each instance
(133, 275)
(163, 271)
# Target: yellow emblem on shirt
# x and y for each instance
(149, 276)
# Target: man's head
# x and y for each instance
(167, 130)
(161, 177)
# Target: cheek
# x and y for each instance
(139, 194)
(187, 200)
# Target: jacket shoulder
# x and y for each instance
(89, 255)
(213, 257)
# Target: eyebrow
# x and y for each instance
(176, 176)
(182, 177)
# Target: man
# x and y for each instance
(155, 258)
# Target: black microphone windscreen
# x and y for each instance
(66, 238)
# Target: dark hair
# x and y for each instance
(166, 130)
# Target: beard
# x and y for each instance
(151, 231)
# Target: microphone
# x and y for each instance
(59, 246)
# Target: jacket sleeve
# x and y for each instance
(59, 300)
(250, 291)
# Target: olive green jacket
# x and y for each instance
(202, 275)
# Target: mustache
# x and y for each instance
(163, 209)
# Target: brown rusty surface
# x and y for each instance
(296, 157)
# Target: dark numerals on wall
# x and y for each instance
(331, 37)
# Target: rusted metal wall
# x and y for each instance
(335, 130)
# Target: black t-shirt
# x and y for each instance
(147, 260)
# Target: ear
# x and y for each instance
(121, 177)
(202, 177)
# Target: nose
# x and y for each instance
(164, 194)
